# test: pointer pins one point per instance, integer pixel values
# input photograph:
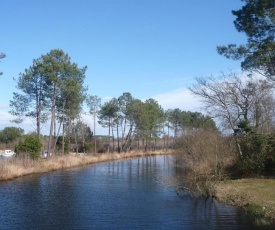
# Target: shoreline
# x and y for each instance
(14, 168)
(243, 193)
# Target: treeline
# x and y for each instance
(52, 90)
(10, 134)
(141, 125)
(132, 125)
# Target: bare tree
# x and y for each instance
(231, 99)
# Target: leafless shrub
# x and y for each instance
(202, 157)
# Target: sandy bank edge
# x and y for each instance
(20, 167)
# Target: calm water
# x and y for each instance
(117, 195)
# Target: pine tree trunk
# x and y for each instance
(168, 138)
(113, 138)
(108, 150)
(75, 139)
(61, 123)
(94, 127)
(52, 121)
(38, 114)
(63, 139)
(69, 133)
(118, 147)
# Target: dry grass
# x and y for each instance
(244, 192)
(19, 167)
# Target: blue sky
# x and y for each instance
(150, 48)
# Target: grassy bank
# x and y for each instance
(19, 167)
(256, 196)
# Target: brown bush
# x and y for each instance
(202, 157)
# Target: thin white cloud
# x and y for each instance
(183, 98)
(106, 98)
(180, 98)
(4, 106)
(5, 117)
(180, 81)
(5, 121)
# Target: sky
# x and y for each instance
(150, 48)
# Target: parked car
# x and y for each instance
(8, 153)
(44, 154)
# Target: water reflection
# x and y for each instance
(121, 195)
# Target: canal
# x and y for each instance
(127, 194)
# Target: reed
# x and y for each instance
(18, 167)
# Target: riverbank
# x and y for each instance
(256, 196)
(13, 168)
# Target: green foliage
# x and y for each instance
(93, 103)
(124, 101)
(255, 149)
(255, 210)
(31, 146)
(148, 117)
(66, 144)
(51, 83)
(82, 130)
(180, 120)
(10, 134)
(143, 119)
(108, 113)
(88, 147)
(154, 117)
(244, 127)
(33, 98)
(257, 20)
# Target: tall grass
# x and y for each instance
(17, 167)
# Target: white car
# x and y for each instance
(8, 153)
(44, 154)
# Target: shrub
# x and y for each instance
(255, 149)
(88, 147)
(255, 210)
(66, 144)
(30, 146)
(203, 157)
